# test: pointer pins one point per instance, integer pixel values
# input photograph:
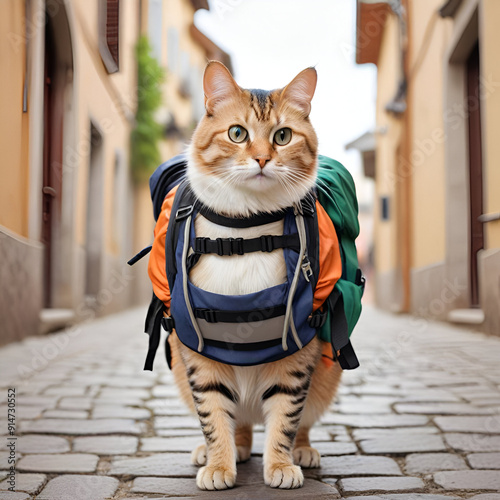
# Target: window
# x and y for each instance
(173, 50)
(155, 21)
(384, 208)
(184, 75)
(109, 34)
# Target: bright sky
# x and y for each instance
(270, 41)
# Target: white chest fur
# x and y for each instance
(238, 274)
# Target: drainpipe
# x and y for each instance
(398, 106)
(406, 149)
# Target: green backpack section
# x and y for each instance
(337, 195)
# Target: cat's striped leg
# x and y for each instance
(215, 402)
(324, 383)
(242, 439)
(283, 405)
(303, 453)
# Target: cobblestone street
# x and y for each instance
(420, 419)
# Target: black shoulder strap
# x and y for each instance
(312, 233)
(241, 222)
(153, 329)
(342, 347)
(182, 207)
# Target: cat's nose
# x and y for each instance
(262, 160)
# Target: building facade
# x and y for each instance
(183, 51)
(70, 214)
(437, 208)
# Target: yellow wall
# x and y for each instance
(106, 99)
(427, 129)
(427, 161)
(388, 138)
(14, 140)
(179, 14)
(490, 41)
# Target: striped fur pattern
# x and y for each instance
(256, 175)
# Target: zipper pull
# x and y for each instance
(306, 269)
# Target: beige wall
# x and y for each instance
(490, 38)
(438, 167)
(179, 14)
(427, 129)
(14, 138)
(110, 108)
(388, 139)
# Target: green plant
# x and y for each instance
(145, 154)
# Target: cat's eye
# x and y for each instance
(237, 133)
(283, 136)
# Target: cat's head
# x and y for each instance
(253, 150)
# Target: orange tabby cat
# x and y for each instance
(253, 151)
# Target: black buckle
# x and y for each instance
(238, 246)
(208, 315)
(184, 212)
(360, 279)
(317, 319)
(200, 245)
(220, 247)
(168, 323)
(229, 246)
(266, 243)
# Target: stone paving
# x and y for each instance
(420, 420)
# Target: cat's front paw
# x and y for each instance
(283, 476)
(306, 457)
(215, 478)
(199, 455)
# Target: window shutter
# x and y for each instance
(109, 34)
(112, 28)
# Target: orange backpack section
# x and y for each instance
(157, 267)
(330, 262)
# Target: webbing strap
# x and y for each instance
(299, 220)
(187, 300)
(240, 246)
(153, 328)
(347, 357)
(245, 346)
(139, 255)
(240, 222)
(340, 333)
(218, 316)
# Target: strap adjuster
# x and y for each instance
(184, 212)
(238, 246)
(229, 246)
(208, 315)
(220, 247)
(168, 323)
(317, 319)
(266, 242)
(200, 245)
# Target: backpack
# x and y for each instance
(337, 195)
(335, 321)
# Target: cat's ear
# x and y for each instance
(218, 85)
(300, 91)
